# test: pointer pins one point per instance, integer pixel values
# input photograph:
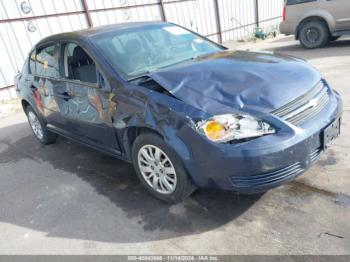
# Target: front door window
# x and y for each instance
(79, 65)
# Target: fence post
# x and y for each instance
(162, 10)
(87, 13)
(217, 17)
(257, 13)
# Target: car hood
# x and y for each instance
(245, 81)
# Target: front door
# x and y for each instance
(340, 10)
(84, 102)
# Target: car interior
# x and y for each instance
(79, 65)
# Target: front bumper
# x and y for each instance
(263, 163)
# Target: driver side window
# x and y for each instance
(78, 65)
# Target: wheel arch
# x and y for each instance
(316, 18)
(27, 99)
(130, 135)
(176, 143)
(25, 104)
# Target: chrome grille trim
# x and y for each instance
(315, 154)
(310, 112)
(273, 177)
(306, 106)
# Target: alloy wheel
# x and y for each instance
(36, 125)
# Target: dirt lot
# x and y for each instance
(67, 199)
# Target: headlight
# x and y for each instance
(225, 128)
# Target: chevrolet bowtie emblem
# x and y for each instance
(313, 102)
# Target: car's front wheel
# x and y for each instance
(160, 169)
(313, 34)
(39, 128)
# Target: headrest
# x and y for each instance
(80, 56)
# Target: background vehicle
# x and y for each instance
(316, 22)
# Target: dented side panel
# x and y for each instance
(138, 107)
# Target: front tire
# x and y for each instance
(313, 34)
(160, 170)
(39, 128)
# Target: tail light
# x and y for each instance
(284, 13)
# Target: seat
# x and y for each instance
(82, 66)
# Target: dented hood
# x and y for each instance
(238, 80)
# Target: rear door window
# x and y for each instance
(47, 61)
(32, 63)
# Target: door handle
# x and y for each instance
(65, 96)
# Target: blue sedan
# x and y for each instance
(185, 111)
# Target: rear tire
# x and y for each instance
(313, 34)
(38, 127)
(160, 170)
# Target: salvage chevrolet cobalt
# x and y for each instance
(185, 111)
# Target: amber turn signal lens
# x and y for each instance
(214, 130)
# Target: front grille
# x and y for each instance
(275, 177)
(306, 106)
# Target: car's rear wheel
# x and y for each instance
(160, 169)
(39, 128)
(313, 34)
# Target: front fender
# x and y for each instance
(137, 112)
(170, 137)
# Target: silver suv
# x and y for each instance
(316, 22)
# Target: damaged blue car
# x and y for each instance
(185, 111)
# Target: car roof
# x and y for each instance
(100, 30)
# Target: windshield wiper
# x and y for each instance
(145, 74)
(177, 63)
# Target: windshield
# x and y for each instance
(136, 52)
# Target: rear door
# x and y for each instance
(47, 84)
(340, 10)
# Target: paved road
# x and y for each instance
(67, 199)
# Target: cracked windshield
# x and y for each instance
(137, 52)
